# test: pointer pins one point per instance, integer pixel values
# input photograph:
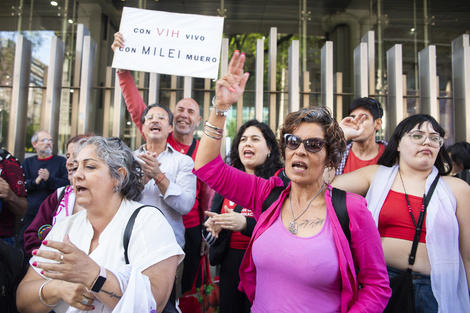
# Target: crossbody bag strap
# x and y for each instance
(128, 231)
(419, 224)
(191, 148)
(338, 199)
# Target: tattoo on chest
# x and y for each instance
(111, 294)
(311, 223)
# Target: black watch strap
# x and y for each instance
(100, 280)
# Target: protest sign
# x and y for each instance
(170, 43)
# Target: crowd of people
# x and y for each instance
(115, 230)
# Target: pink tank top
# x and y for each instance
(296, 274)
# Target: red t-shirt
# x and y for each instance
(395, 220)
(353, 162)
(12, 173)
(237, 240)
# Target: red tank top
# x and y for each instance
(353, 162)
(395, 220)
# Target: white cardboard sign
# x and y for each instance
(170, 43)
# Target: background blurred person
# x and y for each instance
(361, 127)
(13, 201)
(59, 204)
(44, 173)
(460, 154)
(394, 189)
(255, 151)
(282, 270)
(81, 263)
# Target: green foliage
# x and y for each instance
(231, 128)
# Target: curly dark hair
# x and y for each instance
(116, 154)
(273, 161)
(391, 155)
(321, 116)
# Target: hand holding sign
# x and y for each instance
(169, 43)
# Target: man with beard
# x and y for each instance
(44, 173)
(187, 117)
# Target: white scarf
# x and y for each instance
(448, 276)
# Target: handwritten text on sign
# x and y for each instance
(170, 43)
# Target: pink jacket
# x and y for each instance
(365, 253)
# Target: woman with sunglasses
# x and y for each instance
(394, 189)
(298, 258)
(255, 151)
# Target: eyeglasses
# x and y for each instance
(159, 116)
(311, 144)
(45, 140)
(419, 138)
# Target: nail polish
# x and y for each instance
(35, 264)
(35, 252)
(44, 242)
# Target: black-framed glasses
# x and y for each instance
(311, 144)
(419, 138)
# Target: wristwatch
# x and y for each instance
(99, 281)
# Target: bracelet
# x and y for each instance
(219, 130)
(160, 178)
(220, 112)
(213, 131)
(40, 295)
(205, 133)
(42, 230)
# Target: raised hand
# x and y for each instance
(229, 88)
(352, 126)
(118, 41)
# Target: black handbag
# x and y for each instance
(403, 297)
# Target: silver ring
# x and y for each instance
(61, 258)
(84, 301)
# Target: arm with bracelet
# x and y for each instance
(227, 92)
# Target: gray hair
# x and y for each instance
(116, 154)
(34, 138)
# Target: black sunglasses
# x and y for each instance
(311, 144)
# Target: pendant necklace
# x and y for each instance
(293, 226)
(182, 149)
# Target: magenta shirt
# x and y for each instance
(289, 279)
(250, 192)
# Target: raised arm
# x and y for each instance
(228, 90)
(357, 181)
(134, 102)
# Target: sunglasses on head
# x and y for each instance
(310, 144)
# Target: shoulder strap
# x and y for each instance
(191, 148)
(338, 198)
(273, 196)
(276, 192)
(128, 230)
(426, 199)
